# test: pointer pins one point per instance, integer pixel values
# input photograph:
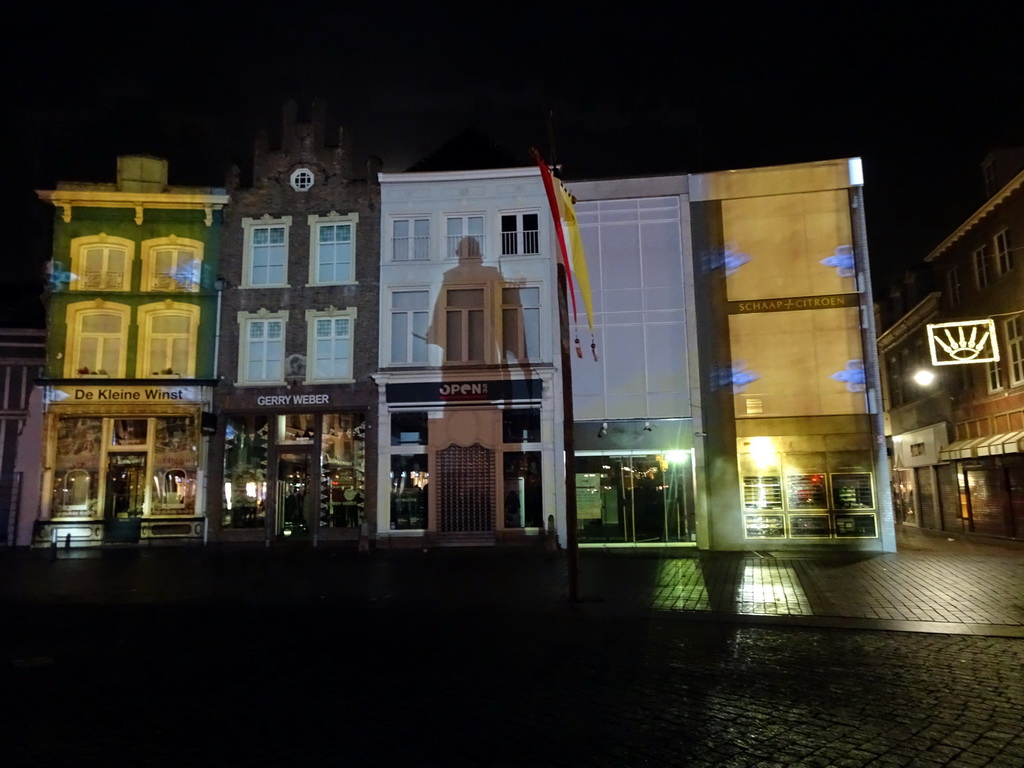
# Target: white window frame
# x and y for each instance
(388, 342)
(993, 376)
(488, 327)
(1014, 328)
(75, 315)
(517, 242)
(302, 179)
(522, 352)
(79, 247)
(452, 241)
(413, 239)
(331, 219)
(249, 226)
(150, 312)
(160, 283)
(953, 284)
(1003, 253)
(245, 321)
(312, 316)
(979, 258)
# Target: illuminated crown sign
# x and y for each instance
(963, 343)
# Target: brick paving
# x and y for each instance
(236, 657)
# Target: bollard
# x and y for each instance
(67, 542)
(53, 548)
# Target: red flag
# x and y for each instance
(556, 218)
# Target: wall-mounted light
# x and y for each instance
(603, 430)
(924, 377)
(647, 426)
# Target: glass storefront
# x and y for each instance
(635, 499)
(309, 487)
(125, 468)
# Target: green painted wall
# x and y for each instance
(120, 222)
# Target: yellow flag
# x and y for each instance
(574, 243)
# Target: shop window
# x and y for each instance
(168, 339)
(129, 432)
(77, 467)
(332, 246)
(520, 425)
(296, 428)
(524, 500)
(342, 462)
(409, 492)
(172, 264)
(806, 491)
(852, 490)
(409, 428)
(762, 492)
(410, 316)
(520, 323)
(175, 446)
(96, 339)
(101, 263)
(245, 471)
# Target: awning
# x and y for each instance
(1004, 442)
(961, 449)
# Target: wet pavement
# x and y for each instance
(288, 657)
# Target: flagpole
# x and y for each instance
(572, 549)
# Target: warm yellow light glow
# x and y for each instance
(227, 495)
(676, 457)
(924, 377)
(250, 490)
(762, 451)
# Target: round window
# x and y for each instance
(302, 179)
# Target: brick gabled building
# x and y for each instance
(298, 342)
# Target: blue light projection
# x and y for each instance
(852, 376)
(842, 260)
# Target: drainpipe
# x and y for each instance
(220, 284)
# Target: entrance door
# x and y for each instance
(637, 499)
(126, 486)
(296, 500)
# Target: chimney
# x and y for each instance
(141, 173)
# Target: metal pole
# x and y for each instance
(571, 541)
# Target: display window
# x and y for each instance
(119, 468)
(246, 442)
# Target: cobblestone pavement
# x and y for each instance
(931, 585)
(177, 657)
(175, 685)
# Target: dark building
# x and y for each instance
(298, 341)
(958, 435)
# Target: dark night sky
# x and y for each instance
(920, 99)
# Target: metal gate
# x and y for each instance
(467, 489)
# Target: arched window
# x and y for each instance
(97, 334)
(101, 263)
(167, 339)
(172, 264)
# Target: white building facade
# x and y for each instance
(470, 400)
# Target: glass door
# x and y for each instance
(126, 486)
(638, 499)
(295, 498)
